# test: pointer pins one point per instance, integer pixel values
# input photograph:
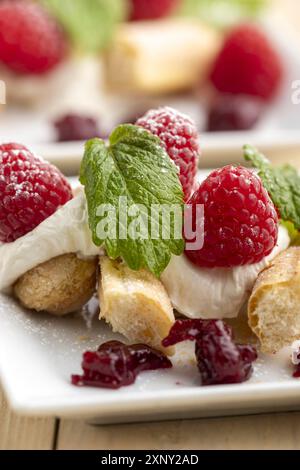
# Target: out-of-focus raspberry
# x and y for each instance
(151, 9)
(248, 64)
(230, 112)
(31, 42)
(72, 127)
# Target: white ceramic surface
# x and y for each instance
(38, 353)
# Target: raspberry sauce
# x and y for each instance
(219, 359)
(117, 365)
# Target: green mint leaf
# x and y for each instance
(134, 166)
(293, 233)
(222, 12)
(282, 183)
(89, 24)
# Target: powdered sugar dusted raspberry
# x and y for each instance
(179, 136)
(241, 222)
(30, 191)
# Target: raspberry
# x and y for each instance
(240, 220)
(179, 136)
(30, 191)
(248, 64)
(219, 359)
(151, 9)
(31, 42)
(75, 127)
(234, 113)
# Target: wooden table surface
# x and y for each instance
(270, 431)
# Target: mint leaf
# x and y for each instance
(282, 183)
(222, 12)
(293, 233)
(136, 167)
(89, 24)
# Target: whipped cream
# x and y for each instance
(296, 353)
(66, 231)
(214, 293)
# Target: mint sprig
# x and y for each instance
(282, 184)
(222, 12)
(136, 167)
(89, 24)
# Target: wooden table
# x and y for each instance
(270, 431)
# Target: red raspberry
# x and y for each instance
(72, 127)
(234, 113)
(240, 220)
(31, 42)
(248, 64)
(151, 9)
(30, 191)
(179, 137)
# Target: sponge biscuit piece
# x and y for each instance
(274, 306)
(60, 286)
(135, 303)
(157, 57)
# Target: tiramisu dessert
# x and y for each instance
(61, 246)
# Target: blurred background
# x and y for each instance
(73, 69)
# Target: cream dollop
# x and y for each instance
(214, 293)
(66, 231)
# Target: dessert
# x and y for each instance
(48, 58)
(42, 229)
(274, 304)
(65, 232)
(241, 236)
(135, 303)
(181, 50)
(212, 293)
(54, 239)
(34, 51)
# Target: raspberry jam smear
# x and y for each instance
(117, 365)
(219, 359)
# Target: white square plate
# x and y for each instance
(38, 354)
